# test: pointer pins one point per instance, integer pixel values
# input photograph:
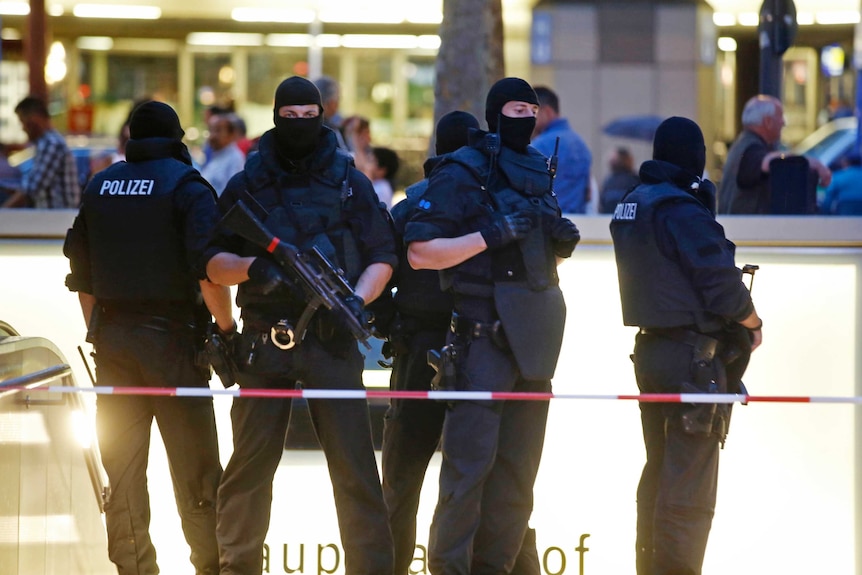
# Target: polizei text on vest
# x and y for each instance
(127, 187)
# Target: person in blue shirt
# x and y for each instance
(844, 194)
(572, 184)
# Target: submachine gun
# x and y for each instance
(325, 284)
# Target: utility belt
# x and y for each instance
(705, 347)
(281, 331)
(704, 418)
(470, 329)
(404, 326)
(408, 324)
(136, 319)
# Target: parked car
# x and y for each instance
(830, 143)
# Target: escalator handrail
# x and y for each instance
(36, 378)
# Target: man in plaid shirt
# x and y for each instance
(53, 180)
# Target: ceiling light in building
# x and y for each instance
(390, 41)
(748, 18)
(95, 43)
(14, 8)
(10, 34)
(167, 45)
(805, 18)
(727, 44)
(206, 96)
(55, 64)
(295, 15)
(56, 10)
(723, 19)
(226, 75)
(362, 15)
(727, 75)
(429, 42)
(224, 39)
(837, 17)
(303, 40)
(117, 11)
(382, 92)
(289, 40)
(417, 14)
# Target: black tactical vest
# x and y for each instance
(654, 290)
(305, 210)
(419, 293)
(517, 182)
(136, 234)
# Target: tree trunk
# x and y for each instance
(470, 59)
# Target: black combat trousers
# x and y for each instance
(677, 490)
(411, 433)
(344, 431)
(132, 355)
(491, 455)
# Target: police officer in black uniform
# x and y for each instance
(314, 197)
(491, 222)
(138, 253)
(680, 285)
(412, 428)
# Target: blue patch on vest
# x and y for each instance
(424, 204)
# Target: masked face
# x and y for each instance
(517, 122)
(297, 128)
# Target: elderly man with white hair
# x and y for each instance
(745, 183)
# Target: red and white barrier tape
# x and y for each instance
(440, 395)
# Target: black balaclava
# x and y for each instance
(679, 141)
(154, 120)
(297, 137)
(515, 133)
(452, 131)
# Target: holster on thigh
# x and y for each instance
(707, 376)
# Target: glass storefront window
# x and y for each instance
(800, 77)
(113, 82)
(374, 93)
(266, 69)
(214, 83)
(420, 73)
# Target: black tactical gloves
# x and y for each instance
(270, 277)
(506, 228)
(356, 305)
(566, 236)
